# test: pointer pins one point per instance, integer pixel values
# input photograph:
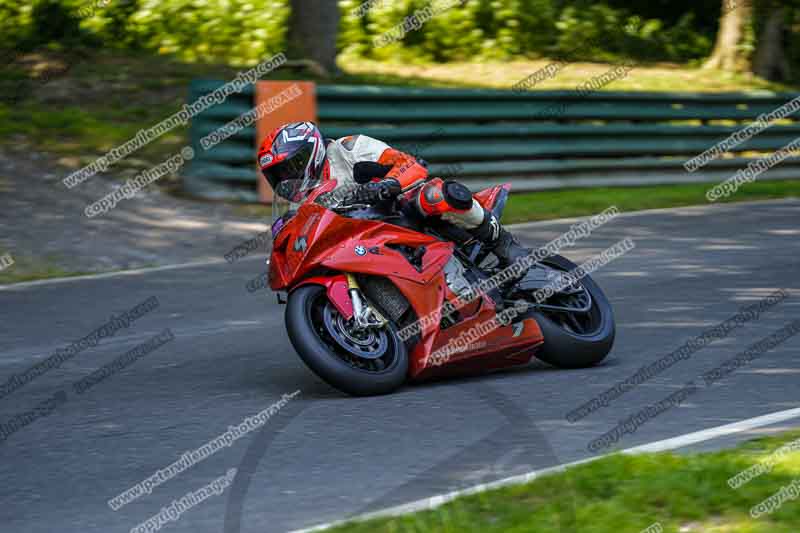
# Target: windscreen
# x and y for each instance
(289, 194)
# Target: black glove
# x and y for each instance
(377, 191)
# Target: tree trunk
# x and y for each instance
(728, 53)
(313, 28)
(770, 61)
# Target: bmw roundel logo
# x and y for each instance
(265, 160)
(360, 250)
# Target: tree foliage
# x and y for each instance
(497, 29)
(244, 31)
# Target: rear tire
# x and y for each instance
(328, 358)
(565, 349)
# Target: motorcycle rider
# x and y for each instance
(376, 172)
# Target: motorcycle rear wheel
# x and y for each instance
(357, 363)
(571, 343)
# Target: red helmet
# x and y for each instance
(296, 152)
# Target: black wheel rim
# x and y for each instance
(577, 296)
(370, 351)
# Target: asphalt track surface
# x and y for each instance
(325, 456)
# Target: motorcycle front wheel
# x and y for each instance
(359, 363)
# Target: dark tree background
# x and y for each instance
(760, 36)
(312, 31)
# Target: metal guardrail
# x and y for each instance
(535, 140)
(226, 171)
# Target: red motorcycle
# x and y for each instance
(378, 296)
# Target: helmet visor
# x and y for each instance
(293, 168)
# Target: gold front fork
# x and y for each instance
(364, 314)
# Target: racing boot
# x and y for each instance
(504, 245)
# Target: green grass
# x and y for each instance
(623, 494)
(567, 203)
(27, 269)
(546, 205)
(102, 101)
(667, 77)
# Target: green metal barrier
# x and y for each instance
(549, 139)
(537, 140)
(226, 171)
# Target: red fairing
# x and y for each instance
(336, 287)
(488, 197)
(317, 238)
(318, 246)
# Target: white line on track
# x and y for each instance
(134, 272)
(658, 446)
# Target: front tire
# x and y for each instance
(357, 364)
(567, 349)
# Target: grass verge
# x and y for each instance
(669, 77)
(568, 203)
(26, 269)
(564, 203)
(625, 494)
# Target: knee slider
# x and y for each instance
(456, 195)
